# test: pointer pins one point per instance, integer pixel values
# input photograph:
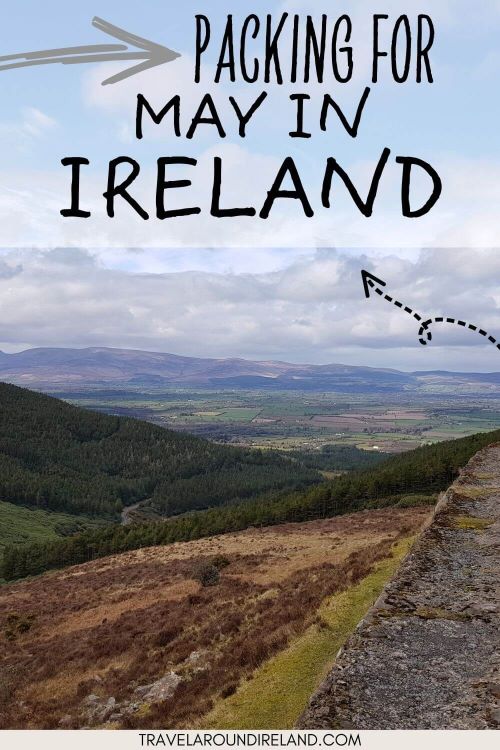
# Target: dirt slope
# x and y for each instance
(135, 640)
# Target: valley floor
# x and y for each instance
(136, 640)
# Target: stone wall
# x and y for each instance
(427, 654)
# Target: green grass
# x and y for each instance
(241, 414)
(472, 523)
(280, 689)
(236, 414)
(290, 410)
(20, 525)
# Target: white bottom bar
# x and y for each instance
(256, 739)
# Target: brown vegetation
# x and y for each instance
(114, 627)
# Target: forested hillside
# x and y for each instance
(59, 457)
(409, 478)
(339, 458)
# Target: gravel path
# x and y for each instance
(127, 513)
(427, 655)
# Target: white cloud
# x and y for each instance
(35, 123)
(8, 271)
(29, 128)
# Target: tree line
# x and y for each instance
(339, 458)
(424, 471)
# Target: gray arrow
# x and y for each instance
(150, 53)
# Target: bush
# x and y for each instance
(17, 624)
(166, 636)
(207, 574)
(8, 677)
(220, 561)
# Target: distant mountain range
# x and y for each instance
(60, 368)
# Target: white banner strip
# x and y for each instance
(137, 740)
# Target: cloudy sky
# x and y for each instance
(301, 305)
(287, 287)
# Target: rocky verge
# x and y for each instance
(427, 654)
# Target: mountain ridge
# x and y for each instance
(56, 366)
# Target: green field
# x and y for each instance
(236, 414)
(302, 420)
(19, 525)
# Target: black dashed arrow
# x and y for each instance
(372, 283)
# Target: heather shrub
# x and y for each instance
(207, 574)
(220, 561)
